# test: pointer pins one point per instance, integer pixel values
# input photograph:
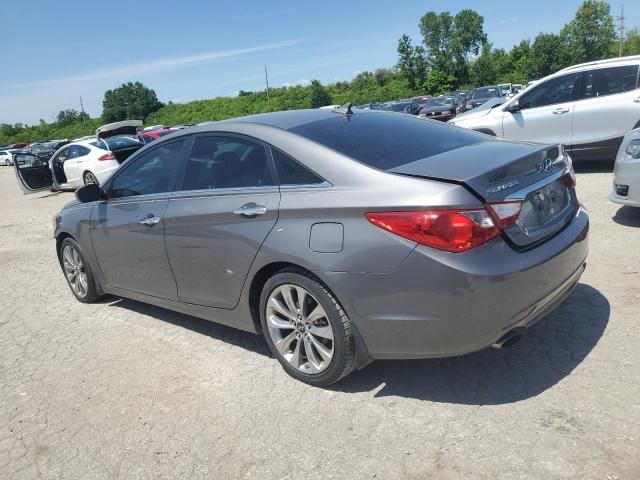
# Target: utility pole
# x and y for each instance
(84, 122)
(266, 79)
(621, 29)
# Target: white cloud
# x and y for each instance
(157, 65)
(304, 82)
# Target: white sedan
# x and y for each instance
(6, 157)
(626, 173)
(80, 162)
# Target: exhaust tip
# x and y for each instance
(510, 338)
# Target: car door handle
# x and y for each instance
(560, 111)
(251, 210)
(637, 99)
(150, 220)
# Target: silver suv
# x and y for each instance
(588, 107)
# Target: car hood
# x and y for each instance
(481, 111)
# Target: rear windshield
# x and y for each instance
(385, 141)
(116, 143)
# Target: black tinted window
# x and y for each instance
(609, 81)
(557, 90)
(385, 140)
(226, 162)
(291, 172)
(153, 172)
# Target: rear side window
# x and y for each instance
(226, 162)
(290, 172)
(386, 140)
(609, 81)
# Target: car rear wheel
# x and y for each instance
(90, 179)
(306, 328)
(77, 272)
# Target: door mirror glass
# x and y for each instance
(90, 193)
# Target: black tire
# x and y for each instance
(343, 361)
(91, 291)
(89, 178)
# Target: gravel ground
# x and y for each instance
(120, 389)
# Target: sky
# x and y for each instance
(57, 52)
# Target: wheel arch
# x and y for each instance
(267, 271)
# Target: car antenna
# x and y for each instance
(344, 109)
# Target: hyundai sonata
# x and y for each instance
(342, 236)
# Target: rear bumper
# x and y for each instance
(439, 304)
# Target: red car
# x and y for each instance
(151, 135)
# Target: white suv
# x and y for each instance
(588, 107)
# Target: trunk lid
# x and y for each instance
(501, 171)
(126, 127)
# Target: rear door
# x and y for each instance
(33, 173)
(74, 165)
(545, 113)
(608, 107)
(127, 230)
(215, 225)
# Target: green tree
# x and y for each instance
(130, 101)
(548, 54)
(439, 82)
(70, 116)
(412, 63)
(590, 34)
(319, 95)
(483, 70)
(630, 46)
(451, 41)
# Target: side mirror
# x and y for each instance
(513, 107)
(90, 193)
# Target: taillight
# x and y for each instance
(448, 230)
(569, 178)
(506, 213)
(107, 156)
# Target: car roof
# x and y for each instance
(630, 60)
(289, 119)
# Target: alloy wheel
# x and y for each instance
(90, 179)
(74, 271)
(299, 328)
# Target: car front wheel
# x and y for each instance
(90, 179)
(77, 272)
(306, 328)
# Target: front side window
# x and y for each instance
(63, 155)
(226, 162)
(291, 172)
(153, 172)
(609, 81)
(557, 90)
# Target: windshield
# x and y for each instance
(42, 148)
(439, 102)
(485, 92)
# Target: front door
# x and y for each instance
(545, 114)
(127, 230)
(215, 225)
(33, 173)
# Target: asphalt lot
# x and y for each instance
(120, 389)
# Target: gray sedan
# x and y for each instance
(341, 236)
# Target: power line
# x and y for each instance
(266, 79)
(621, 29)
